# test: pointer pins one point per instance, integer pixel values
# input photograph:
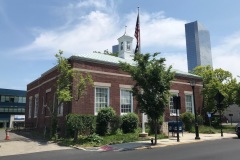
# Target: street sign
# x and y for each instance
(219, 97)
(209, 115)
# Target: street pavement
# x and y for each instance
(21, 145)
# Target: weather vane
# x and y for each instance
(125, 30)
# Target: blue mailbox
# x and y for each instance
(172, 127)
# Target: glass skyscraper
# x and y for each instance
(198, 45)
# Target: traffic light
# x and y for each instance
(176, 102)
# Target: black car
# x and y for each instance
(238, 130)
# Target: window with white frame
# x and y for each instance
(30, 107)
(171, 107)
(128, 45)
(60, 108)
(189, 103)
(36, 105)
(101, 98)
(121, 45)
(43, 104)
(126, 101)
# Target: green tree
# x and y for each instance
(237, 90)
(152, 85)
(64, 85)
(214, 81)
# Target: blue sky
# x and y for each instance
(32, 31)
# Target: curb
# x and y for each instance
(163, 143)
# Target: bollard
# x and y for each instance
(152, 141)
(7, 135)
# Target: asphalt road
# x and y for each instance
(224, 149)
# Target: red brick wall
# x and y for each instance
(182, 84)
(85, 105)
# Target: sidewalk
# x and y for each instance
(22, 145)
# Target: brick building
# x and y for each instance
(111, 88)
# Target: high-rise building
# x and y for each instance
(115, 48)
(198, 45)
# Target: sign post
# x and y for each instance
(219, 98)
(209, 117)
(177, 106)
(230, 115)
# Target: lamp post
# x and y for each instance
(192, 83)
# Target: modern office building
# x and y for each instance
(115, 49)
(12, 107)
(198, 45)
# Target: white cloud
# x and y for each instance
(158, 31)
(161, 31)
(227, 54)
(90, 3)
(177, 60)
(98, 29)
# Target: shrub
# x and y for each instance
(115, 124)
(129, 122)
(188, 120)
(94, 138)
(83, 124)
(200, 120)
(103, 120)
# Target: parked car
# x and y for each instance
(224, 119)
(237, 129)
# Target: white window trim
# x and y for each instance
(188, 92)
(48, 90)
(191, 94)
(30, 107)
(100, 84)
(60, 108)
(123, 86)
(108, 98)
(36, 106)
(43, 106)
(175, 92)
(129, 89)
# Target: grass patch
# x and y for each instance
(95, 140)
(207, 130)
(216, 129)
(226, 128)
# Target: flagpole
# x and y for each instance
(139, 32)
(139, 39)
(138, 50)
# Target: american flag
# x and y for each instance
(137, 35)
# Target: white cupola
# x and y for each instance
(125, 47)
